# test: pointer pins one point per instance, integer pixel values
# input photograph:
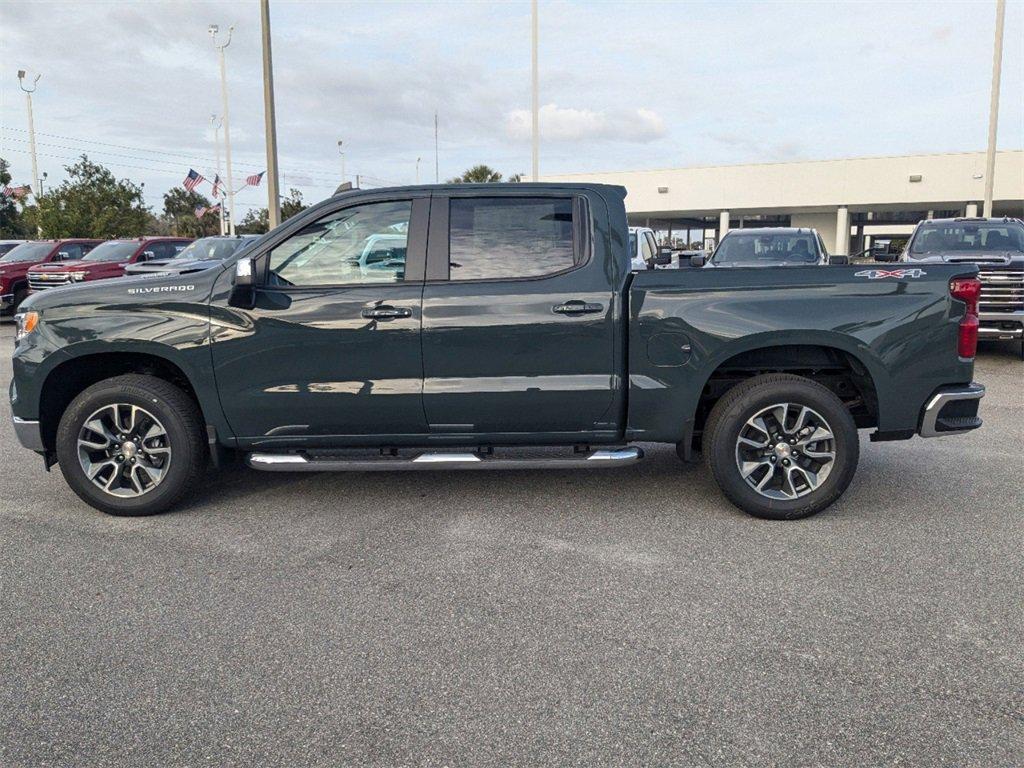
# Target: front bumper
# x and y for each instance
(1001, 325)
(29, 434)
(6, 300)
(952, 411)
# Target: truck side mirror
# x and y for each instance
(839, 259)
(147, 255)
(697, 260)
(243, 290)
(63, 255)
(663, 257)
(887, 256)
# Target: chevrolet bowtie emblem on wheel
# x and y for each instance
(875, 274)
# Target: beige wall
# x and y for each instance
(825, 223)
(947, 180)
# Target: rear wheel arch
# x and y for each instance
(846, 373)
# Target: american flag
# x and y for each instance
(17, 192)
(202, 210)
(255, 179)
(193, 180)
(216, 184)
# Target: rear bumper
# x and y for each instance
(1001, 325)
(952, 411)
(29, 434)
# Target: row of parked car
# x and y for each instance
(36, 265)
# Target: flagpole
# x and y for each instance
(216, 144)
(227, 123)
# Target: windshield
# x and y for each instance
(750, 249)
(27, 252)
(968, 237)
(112, 250)
(209, 248)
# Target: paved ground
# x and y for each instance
(626, 618)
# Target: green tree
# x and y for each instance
(90, 203)
(180, 214)
(478, 174)
(12, 224)
(257, 220)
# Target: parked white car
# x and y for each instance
(645, 252)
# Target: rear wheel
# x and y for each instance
(131, 445)
(781, 446)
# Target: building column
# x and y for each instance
(842, 231)
(723, 224)
(971, 210)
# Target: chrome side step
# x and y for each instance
(297, 462)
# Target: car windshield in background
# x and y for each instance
(111, 251)
(209, 249)
(27, 252)
(965, 237)
(743, 250)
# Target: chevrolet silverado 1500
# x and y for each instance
(502, 328)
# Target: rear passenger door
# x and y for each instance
(518, 319)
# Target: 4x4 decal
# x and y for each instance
(875, 274)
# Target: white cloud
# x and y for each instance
(568, 124)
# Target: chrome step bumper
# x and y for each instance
(952, 411)
(298, 462)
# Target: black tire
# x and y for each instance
(181, 420)
(19, 296)
(744, 401)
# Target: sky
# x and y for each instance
(623, 86)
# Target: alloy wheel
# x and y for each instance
(124, 450)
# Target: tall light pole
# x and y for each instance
(269, 120)
(37, 184)
(342, 153)
(229, 182)
(993, 109)
(216, 148)
(437, 160)
(536, 99)
(418, 169)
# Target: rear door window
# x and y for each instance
(503, 238)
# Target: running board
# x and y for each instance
(297, 462)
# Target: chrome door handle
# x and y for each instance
(577, 308)
(386, 313)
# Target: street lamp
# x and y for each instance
(418, 169)
(342, 153)
(216, 144)
(37, 186)
(213, 29)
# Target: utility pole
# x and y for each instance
(342, 153)
(437, 161)
(536, 100)
(269, 120)
(418, 169)
(993, 109)
(37, 184)
(216, 144)
(229, 182)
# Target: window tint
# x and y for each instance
(362, 244)
(496, 238)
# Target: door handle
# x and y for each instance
(577, 308)
(386, 313)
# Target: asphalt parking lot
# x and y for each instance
(630, 617)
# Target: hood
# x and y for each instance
(994, 258)
(173, 266)
(78, 265)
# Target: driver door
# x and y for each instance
(330, 353)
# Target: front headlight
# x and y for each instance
(24, 324)
(78, 276)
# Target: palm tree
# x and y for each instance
(478, 174)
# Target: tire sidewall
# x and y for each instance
(798, 393)
(179, 439)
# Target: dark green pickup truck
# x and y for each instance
(482, 327)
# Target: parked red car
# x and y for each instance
(105, 261)
(16, 263)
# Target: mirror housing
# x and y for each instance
(698, 260)
(839, 259)
(243, 292)
(147, 255)
(664, 256)
(63, 255)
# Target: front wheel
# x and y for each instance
(781, 446)
(131, 445)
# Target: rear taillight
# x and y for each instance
(967, 290)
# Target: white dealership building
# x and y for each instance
(849, 201)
